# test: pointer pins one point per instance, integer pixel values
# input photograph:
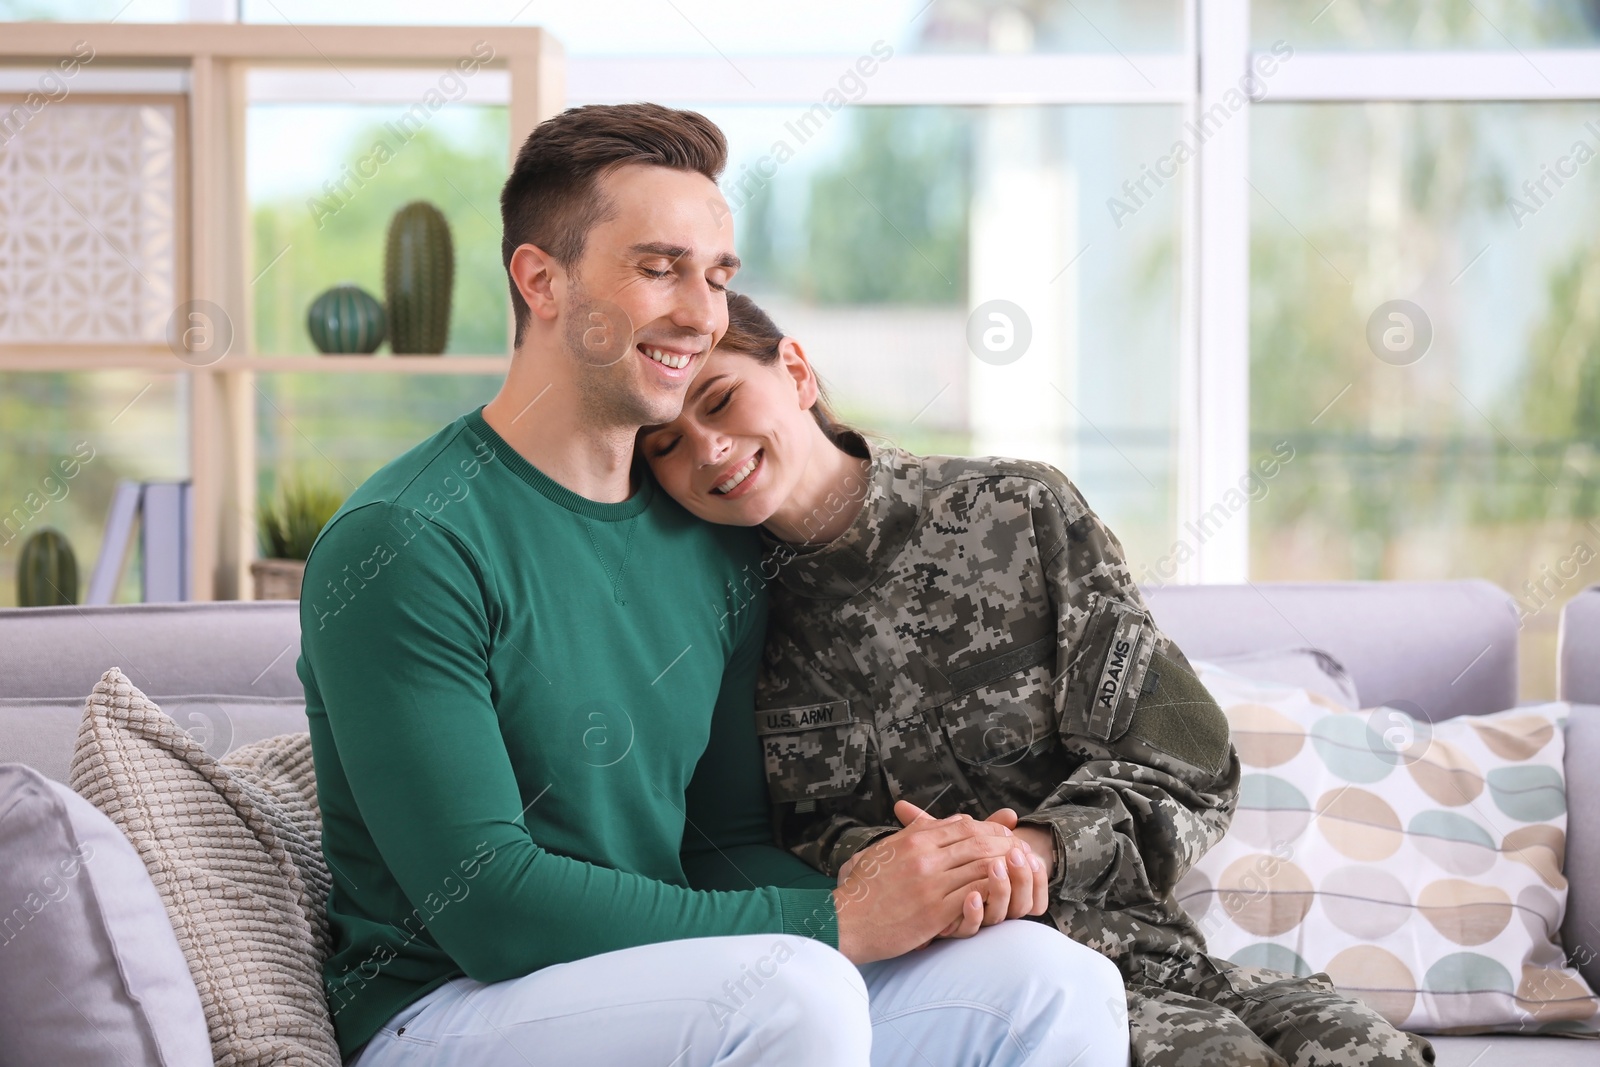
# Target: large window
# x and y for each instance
(100, 428)
(1415, 24)
(320, 217)
(1425, 326)
(875, 243)
(1347, 242)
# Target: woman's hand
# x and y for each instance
(1040, 844)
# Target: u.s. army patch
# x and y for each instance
(809, 716)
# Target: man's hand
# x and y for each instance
(898, 893)
(1020, 888)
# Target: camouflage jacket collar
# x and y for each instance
(890, 511)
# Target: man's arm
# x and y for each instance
(403, 671)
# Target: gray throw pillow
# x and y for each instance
(90, 969)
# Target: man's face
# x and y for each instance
(646, 302)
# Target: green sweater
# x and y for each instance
(533, 727)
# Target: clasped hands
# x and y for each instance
(940, 878)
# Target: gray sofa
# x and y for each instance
(1440, 649)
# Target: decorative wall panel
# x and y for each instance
(88, 239)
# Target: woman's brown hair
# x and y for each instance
(751, 332)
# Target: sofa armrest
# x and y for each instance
(1578, 649)
(1580, 932)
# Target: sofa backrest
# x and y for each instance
(1448, 647)
(1440, 648)
(224, 671)
(220, 647)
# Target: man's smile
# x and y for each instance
(675, 364)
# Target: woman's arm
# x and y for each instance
(1159, 779)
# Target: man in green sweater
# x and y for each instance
(529, 676)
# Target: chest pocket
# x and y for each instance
(1003, 711)
(1110, 671)
(812, 751)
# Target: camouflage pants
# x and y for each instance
(1251, 1017)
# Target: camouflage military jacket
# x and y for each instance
(975, 641)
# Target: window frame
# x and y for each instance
(1213, 396)
(1213, 351)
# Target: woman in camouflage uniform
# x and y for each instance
(965, 635)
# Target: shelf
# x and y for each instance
(164, 362)
(384, 364)
(210, 232)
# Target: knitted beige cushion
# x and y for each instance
(234, 847)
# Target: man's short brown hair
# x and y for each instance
(551, 200)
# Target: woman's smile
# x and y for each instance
(742, 479)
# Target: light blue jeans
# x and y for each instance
(1017, 993)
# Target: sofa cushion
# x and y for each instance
(234, 847)
(90, 970)
(41, 731)
(1502, 1051)
(1420, 865)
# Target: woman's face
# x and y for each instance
(739, 448)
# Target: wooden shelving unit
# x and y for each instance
(211, 226)
(44, 360)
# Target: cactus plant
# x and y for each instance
(418, 272)
(346, 319)
(47, 571)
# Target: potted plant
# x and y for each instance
(288, 525)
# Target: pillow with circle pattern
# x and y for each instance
(1418, 864)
